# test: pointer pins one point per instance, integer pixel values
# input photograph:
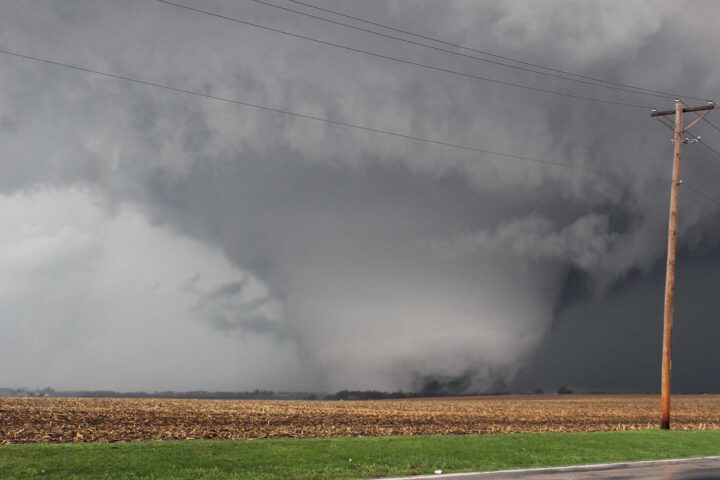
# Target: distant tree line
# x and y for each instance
(270, 395)
(197, 394)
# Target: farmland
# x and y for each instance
(55, 420)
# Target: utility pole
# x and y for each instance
(678, 141)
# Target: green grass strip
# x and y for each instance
(343, 458)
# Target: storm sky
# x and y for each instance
(157, 240)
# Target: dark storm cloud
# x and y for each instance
(614, 344)
(380, 262)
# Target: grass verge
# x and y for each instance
(343, 458)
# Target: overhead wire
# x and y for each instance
(401, 60)
(464, 47)
(694, 137)
(709, 147)
(699, 140)
(465, 147)
(494, 62)
(330, 121)
(666, 123)
(706, 120)
(704, 195)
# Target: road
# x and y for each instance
(707, 468)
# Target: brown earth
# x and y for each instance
(29, 420)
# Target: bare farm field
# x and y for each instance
(36, 420)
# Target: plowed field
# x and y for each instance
(29, 420)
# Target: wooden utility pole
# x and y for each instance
(678, 141)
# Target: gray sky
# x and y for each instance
(157, 240)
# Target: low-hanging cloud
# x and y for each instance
(353, 260)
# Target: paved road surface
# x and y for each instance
(707, 468)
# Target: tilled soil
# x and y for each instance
(32, 420)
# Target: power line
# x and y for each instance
(664, 122)
(672, 95)
(711, 124)
(669, 125)
(332, 122)
(700, 141)
(694, 137)
(408, 62)
(494, 62)
(698, 192)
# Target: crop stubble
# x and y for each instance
(31, 420)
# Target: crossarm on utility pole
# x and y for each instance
(663, 113)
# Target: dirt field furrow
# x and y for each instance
(30, 420)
